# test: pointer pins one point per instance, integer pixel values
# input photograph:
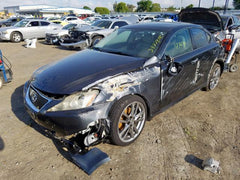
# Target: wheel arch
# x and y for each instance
(135, 94)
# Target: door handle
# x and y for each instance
(194, 61)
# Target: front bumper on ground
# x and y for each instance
(63, 123)
(80, 44)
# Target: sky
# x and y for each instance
(109, 3)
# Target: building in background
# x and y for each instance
(44, 10)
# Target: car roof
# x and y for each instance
(113, 20)
(163, 26)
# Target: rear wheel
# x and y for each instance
(16, 37)
(127, 119)
(214, 77)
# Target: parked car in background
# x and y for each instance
(68, 19)
(53, 36)
(11, 21)
(87, 35)
(129, 76)
(27, 29)
(218, 25)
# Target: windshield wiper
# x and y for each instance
(118, 52)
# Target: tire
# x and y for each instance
(16, 37)
(1, 81)
(233, 68)
(214, 77)
(127, 119)
(95, 38)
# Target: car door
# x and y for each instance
(31, 30)
(205, 50)
(175, 86)
(45, 26)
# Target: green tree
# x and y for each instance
(236, 4)
(86, 7)
(171, 8)
(155, 7)
(102, 10)
(130, 7)
(122, 7)
(144, 6)
(189, 6)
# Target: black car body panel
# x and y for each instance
(81, 69)
(116, 76)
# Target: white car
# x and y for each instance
(27, 29)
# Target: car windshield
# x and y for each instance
(21, 23)
(68, 26)
(132, 42)
(102, 24)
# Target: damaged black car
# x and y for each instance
(110, 91)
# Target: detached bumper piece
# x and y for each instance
(90, 160)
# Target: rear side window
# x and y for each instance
(43, 23)
(200, 38)
(34, 23)
(119, 24)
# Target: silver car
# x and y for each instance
(27, 29)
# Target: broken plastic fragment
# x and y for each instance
(90, 160)
(211, 165)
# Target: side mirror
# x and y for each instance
(29, 25)
(116, 27)
(174, 68)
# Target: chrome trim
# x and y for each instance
(29, 102)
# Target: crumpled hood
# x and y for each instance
(209, 19)
(75, 72)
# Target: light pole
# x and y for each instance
(213, 4)
(226, 6)
(199, 3)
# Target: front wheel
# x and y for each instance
(214, 77)
(96, 39)
(16, 37)
(127, 119)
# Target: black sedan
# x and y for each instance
(124, 80)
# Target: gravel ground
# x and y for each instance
(171, 146)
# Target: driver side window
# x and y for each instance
(179, 44)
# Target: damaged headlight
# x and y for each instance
(76, 101)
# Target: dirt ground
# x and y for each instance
(171, 146)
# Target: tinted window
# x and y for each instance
(179, 44)
(236, 20)
(119, 24)
(34, 23)
(200, 38)
(102, 24)
(43, 23)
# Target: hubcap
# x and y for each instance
(215, 78)
(131, 121)
(16, 37)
